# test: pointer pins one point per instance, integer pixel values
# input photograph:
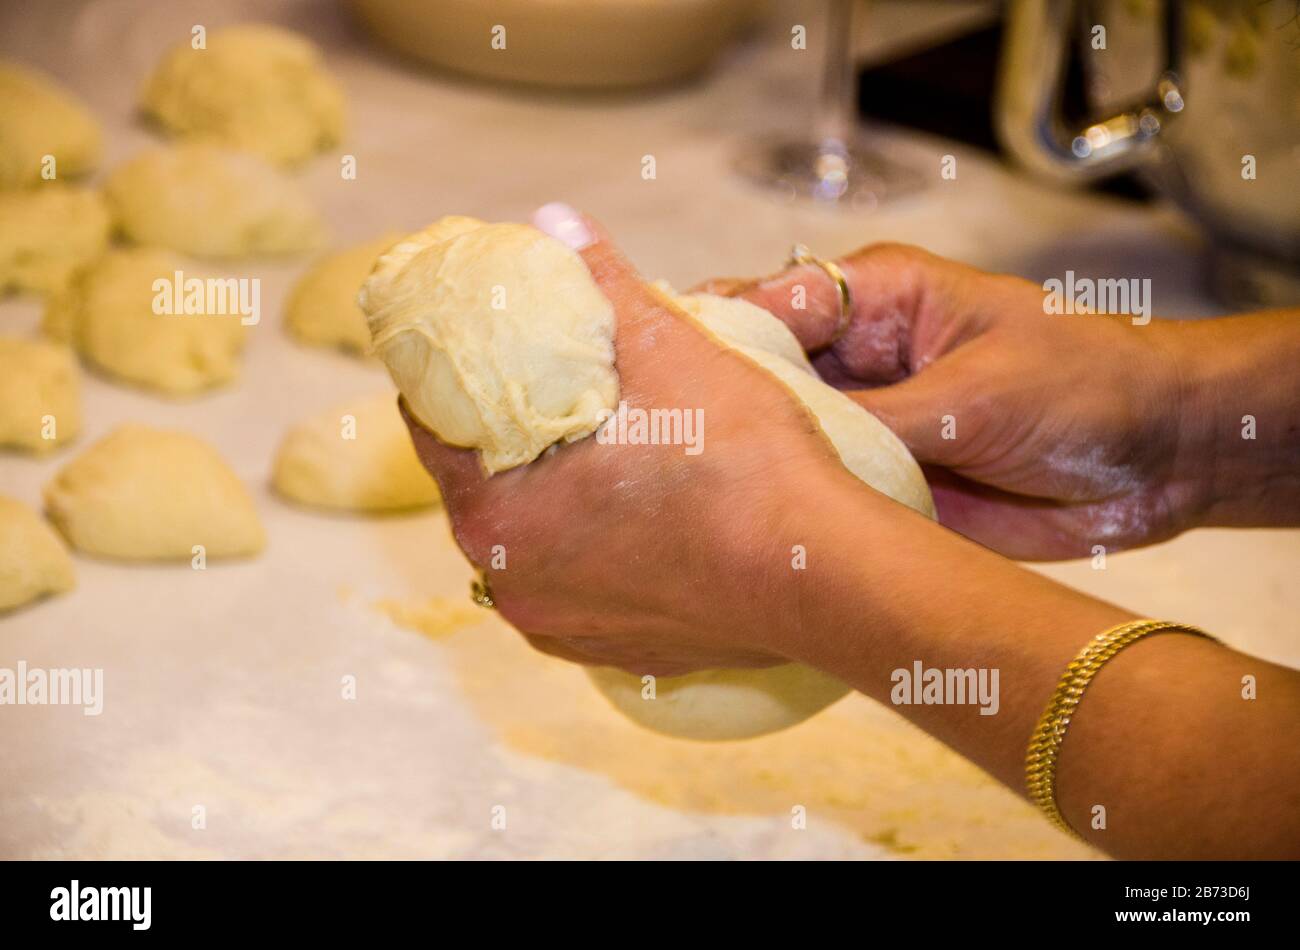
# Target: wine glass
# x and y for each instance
(833, 163)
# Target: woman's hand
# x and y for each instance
(659, 562)
(1043, 434)
(641, 556)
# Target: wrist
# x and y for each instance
(1238, 459)
(844, 552)
(1192, 482)
(894, 589)
(803, 555)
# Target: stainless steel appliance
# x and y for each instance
(1203, 97)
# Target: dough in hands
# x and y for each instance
(47, 233)
(39, 118)
(33, 562)
(355, 457)
(145, 494)
(864, 444)
(108, 315)
(512, 382)
(211, 202)
(255, 87)
(721, 705)
(40, 395)
(496, 335)
(323, 309)
(739, 704)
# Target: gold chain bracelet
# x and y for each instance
(1049, 735)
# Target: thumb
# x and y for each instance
(922, 410)
(803, 297)
(643, 316)
(618, 279)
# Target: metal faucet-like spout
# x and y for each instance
(1028, 107)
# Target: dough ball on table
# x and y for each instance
(211, 202)
(256, 87)
(39, 118)
(47, 233)
(323, 309)
(509, 380)
(33, 562)
(512, 382)
(108, 315)
(40, 395)
(145, 494)
(356, 457)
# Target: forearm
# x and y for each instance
(919, 594)
(1239, 405)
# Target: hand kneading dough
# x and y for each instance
(38, 118)
(211, 202)
(255, 87)
(40, 395)
(323, 309)
(424, 302)
(47, 233)
(107, 315)
(509, 380)
(376, 469)
(151, 494)
(33, 562)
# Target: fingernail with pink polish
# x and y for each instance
(563, 222)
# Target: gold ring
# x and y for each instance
(799, 254)
(481, 593)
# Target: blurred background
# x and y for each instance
(708, 135)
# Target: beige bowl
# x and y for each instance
(561, 42)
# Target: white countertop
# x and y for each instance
(223, 686)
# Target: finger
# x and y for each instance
(1038, 529)
(886, 285)
(1021, 528)
(805, 298)
(920, 408)
(641, 313)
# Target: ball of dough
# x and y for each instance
(145, 494)
(864, 444)
(426, 293)
(740, 704)
(47, 233)
(356, 457)
(40, 395)
(39, 118)
(721, 705)
(496, 335)
(256, 87)
(323, 309)
(33, 562)
(211, 202)
(108, 315)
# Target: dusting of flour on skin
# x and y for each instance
(1092, 469)
(877, 349)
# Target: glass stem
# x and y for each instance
(838, 106)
